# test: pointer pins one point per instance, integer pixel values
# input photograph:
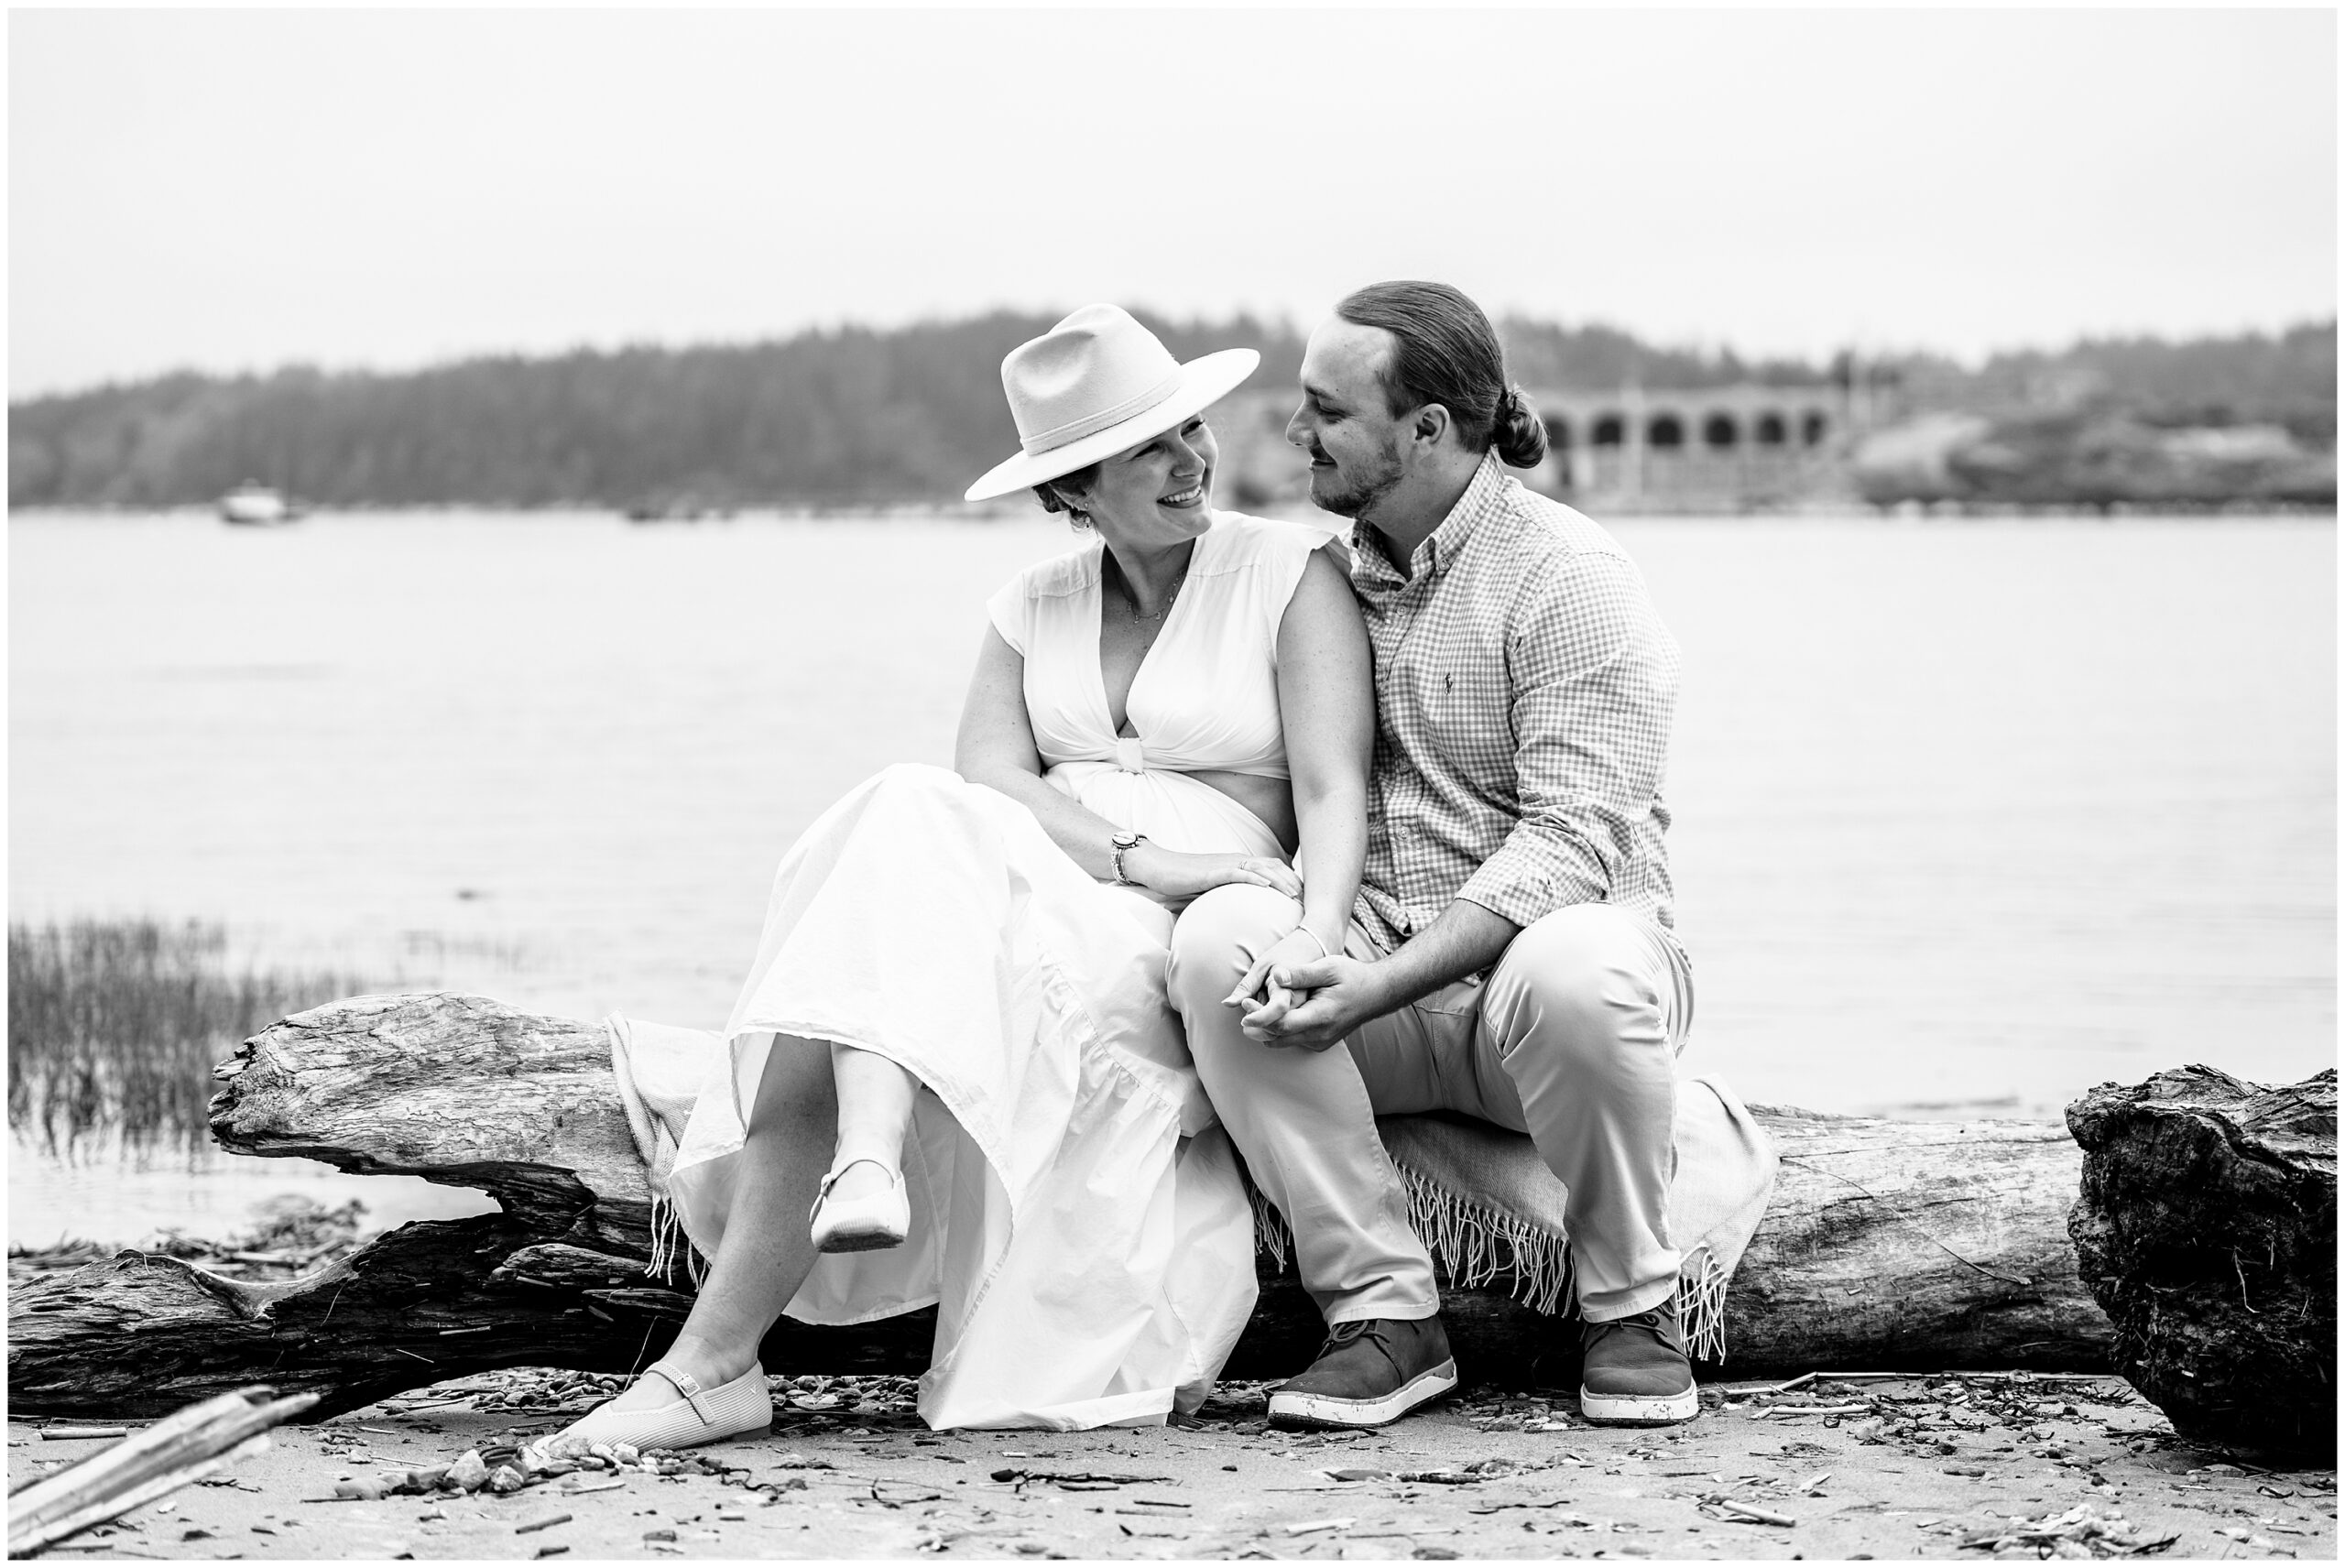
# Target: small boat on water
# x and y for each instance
(257, 505)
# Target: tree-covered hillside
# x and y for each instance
(911, 414)
(2288, 380)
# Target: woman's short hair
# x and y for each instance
(1083, 478)
(1446, 352)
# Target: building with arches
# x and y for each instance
(1710, 450)
(1705, 449)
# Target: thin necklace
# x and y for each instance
(1132, 599)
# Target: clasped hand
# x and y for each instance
(1295, 996)
(1294, 993)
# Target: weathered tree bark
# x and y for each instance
(2207, 1229)
(1889, 1244)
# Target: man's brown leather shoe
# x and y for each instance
(1634, 1372)
(1370, 1372)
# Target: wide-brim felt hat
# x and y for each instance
(1094, 385)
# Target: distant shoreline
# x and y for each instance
(984, 512)
(902, 418)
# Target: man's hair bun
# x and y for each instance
(1516, 431)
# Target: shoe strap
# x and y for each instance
(689, 1386)
(823, 1193)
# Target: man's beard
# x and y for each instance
(1356, 494)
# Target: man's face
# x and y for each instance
(1353, 439)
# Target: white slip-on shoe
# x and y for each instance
(741, 1407)
(860, 1225)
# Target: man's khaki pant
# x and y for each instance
(1573, 1040)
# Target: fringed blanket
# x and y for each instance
(1481, 1198)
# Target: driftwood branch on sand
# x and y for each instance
(182, 1447)
(1888, 1244)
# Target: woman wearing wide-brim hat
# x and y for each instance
(955, 1044)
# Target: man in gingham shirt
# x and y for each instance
(1509, 955)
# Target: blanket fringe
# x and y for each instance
(1270, 1232)
(669, 1246)
(1701, 1305)
(1474, 1244)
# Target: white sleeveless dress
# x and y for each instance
(1077, 1215)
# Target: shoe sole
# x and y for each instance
(1313, 1410)
(1639, 1409)
(860, 1241)
(544, 1447)
(745, 1434)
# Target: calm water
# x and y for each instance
(1971, 815)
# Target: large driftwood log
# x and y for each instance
(1889, 1244)
(2207, 1228)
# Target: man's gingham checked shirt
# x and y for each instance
(1524, 694)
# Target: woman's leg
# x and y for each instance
(766, 1252)
(874, 1111)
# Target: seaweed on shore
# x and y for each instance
(115, 1025)
(289, 1236)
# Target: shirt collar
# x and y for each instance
(1485, 495)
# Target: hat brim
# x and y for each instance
(1203, 382)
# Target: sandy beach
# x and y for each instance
(1941, 1467)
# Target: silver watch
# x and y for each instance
(1123, 843)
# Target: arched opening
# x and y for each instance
(1811, 428)
(1559, 433)
(1772, 431)
(1610, 431)
(1666, 431)
(1718, 430)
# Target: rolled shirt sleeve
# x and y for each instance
(1593, 677)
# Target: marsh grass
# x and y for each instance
(115, 1025)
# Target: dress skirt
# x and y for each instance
(1077, 1215)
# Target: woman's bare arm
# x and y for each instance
(1327, 704)
(995, 749)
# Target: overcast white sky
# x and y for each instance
(231, 190)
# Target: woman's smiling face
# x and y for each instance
(1157, 494)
